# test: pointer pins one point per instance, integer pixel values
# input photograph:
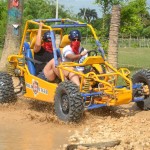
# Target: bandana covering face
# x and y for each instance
(75, 46)
(47, 46)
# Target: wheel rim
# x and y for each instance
(65, 104)
(145, 87)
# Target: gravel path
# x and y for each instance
(126, 123)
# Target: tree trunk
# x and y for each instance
(13, 31)
(113, 36)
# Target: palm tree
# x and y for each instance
(12, 38)
(113, 36)
(82, 13)
(88, 14)
(114, 27)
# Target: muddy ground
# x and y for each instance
(32, 125)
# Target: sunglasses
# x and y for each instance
(76, 40)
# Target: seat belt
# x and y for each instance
(35, 61)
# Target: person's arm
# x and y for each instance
(74, 57)
(37, 45)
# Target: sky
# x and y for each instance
(75, 5)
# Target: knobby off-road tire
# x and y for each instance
(143, 76)
(68, 102)
(7, 93)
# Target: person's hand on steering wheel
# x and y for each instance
(83, 53)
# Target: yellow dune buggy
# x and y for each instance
(101, 84)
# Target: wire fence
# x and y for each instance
(134, 42)
(132, 53)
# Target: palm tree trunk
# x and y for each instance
(13, 31)
(113, 36)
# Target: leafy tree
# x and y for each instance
(3, 21)
(43, 9)
(133, 18)
(146, 32)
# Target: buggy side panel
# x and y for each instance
(37, 88)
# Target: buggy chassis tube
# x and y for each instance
(80, 74)
(65, 66)
(97, 42)
(93, 106)
(25, 30)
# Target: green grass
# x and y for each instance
(134, 58)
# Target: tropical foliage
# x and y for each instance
(135, 18)
(3, 20)
(88, 14)
(34, 9)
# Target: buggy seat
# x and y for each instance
(65, 41)
(29, 57)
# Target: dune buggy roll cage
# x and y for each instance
(64, 23)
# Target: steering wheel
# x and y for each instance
(89, 53)
(92, 53)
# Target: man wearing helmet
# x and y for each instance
(72, 52)
(43, 50)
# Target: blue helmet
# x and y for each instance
(47, 35)
(75, 34)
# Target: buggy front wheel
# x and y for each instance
(68, 102)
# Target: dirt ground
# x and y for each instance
(32, 125)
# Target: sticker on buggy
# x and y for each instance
(35, 87)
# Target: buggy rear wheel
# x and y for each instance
(68, 102)
(143, 76)
(7, 93)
